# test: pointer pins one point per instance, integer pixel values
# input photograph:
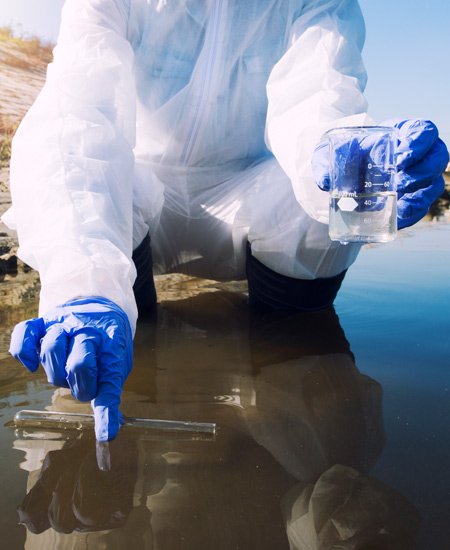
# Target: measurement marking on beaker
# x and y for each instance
(382, 184)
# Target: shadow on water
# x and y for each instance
(300, 429)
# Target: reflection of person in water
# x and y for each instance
(300, 428)
(72, 493)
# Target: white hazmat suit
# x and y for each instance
(195, 121)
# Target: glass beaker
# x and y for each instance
(363, 195)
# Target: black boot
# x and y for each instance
(271, 291)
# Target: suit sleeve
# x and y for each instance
(318, 84)
(72, 162)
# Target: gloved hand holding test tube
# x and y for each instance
(85, 345)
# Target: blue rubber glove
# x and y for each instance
(421, 159)
(86, 345)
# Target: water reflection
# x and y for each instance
(72, 493)
(300, 430)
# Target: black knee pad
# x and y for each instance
(271, 291)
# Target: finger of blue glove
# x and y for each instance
(81, 366)
(416, 138)
(411, 207)
(320, 164)
(108, 418)
(25, 342)
(423, 172)
(54, 351)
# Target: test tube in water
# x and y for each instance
(77, 421)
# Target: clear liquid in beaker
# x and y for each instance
(368, 217)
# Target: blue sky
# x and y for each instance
(35, 17)
(407, 53)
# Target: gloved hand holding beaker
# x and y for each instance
(363, 198)
(86, 345)
(421, 157)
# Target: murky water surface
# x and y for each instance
(333, 426)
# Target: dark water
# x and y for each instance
(333, 426)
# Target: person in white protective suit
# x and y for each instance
(190, 124)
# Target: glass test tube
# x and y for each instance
(77, 421)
